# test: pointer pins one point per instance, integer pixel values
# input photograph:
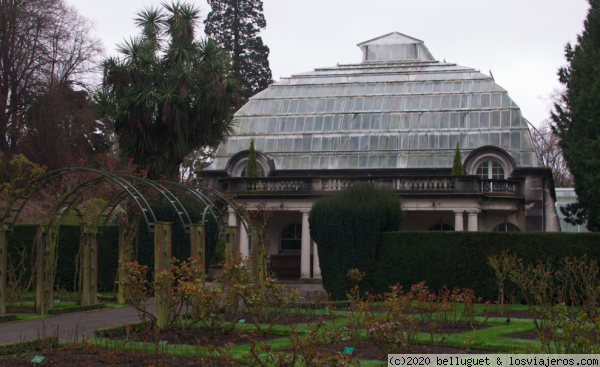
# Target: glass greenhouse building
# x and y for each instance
(394, 120)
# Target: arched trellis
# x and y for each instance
(126, 190)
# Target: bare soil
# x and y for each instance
(451, 329)
(535, 335)
(293, 319)
(79, 358)
(199, 337)
(365, 350)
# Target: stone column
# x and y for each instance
(305, 248)
(233, 222)
(244, 249)
(316, 265)
(458, 221)
(473, 226)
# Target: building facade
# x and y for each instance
(393, 120)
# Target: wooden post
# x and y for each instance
(198, 244)
(162, 261)
(3, 269)
(124, 252)
(93, 267)
(39, 272)
(49, 257)
(86, 267)
(90, 267)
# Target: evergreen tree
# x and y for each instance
(252, 165)
(457, 167)
(577, 119)
(235, 25)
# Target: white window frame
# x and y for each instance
(489, 162)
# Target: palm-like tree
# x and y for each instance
(169, 94)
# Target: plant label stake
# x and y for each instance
(241, 321)
(37, 359)
(163, 342)
(348, 350)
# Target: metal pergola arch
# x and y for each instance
(128, 187)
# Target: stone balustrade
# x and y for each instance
(447, 184)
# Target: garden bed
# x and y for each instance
(365, 350)
(66, 357)
(201, 337)
(451, 329)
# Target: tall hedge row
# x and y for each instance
(347, 227)
(108, 244)
(68, 246)
(180, 241)
(459, 259)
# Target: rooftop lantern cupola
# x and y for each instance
(395, 46)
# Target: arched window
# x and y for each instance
(442, 227)
(261, 171)
(490, 169)
(506, 227)
(291, 238)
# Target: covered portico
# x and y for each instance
(288, 234)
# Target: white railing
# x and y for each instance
(336, 184)
(273, 184)
(497, 186)
(448, 183)
(429, 183)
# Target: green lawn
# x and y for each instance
(489, 338)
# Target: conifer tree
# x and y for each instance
(577, 119)
(457, 167)
(235, 25)
(252, 165)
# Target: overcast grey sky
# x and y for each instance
(521, 41)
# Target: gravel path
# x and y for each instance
(83, 323)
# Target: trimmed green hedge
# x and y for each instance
(65, 310)
(8, 318)
(68, 246)
(108, 244)
(180, 241)
(459, 259)
(347, 227)
(27, 345)
(120, 330)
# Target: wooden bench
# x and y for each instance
(284, 264)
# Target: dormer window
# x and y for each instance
(261, 171)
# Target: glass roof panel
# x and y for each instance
(394, 114)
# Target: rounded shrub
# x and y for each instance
(346, 228)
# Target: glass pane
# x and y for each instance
(496, 100)
(485, 101)
(495, 119)
(497, 171)
(446, 102)
(482, 171)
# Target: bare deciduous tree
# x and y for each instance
(547, 145)
(43, 44)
